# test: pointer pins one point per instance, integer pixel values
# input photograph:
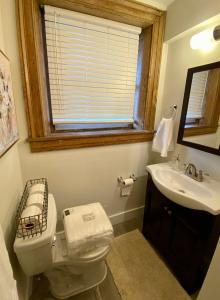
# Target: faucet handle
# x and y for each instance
(200, 175)
(185, 166)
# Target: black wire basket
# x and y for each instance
(27, 227)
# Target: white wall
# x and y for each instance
(87, 175)
(11, 183)
(181, 57)
(183, 15)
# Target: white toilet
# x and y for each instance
(49, 253)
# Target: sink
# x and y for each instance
(186, 191)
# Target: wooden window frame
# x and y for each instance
(42, 136)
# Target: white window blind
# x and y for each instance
(92, 66)
(197, 93)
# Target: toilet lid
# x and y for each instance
(93, 255)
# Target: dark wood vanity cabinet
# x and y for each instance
(186, 238)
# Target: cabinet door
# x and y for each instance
(157, 219)
(186, 249)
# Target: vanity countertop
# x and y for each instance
(185, 191)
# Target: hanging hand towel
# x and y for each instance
(8, 288)
(163, 139)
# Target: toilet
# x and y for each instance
(69, 271)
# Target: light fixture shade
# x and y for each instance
(216, 33)
(202, 40)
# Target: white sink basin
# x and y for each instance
(185, 191)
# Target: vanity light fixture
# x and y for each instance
(206, 39)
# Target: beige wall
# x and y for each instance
(180, 57)
(185, 14)
(11, 183)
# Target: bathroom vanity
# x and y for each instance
(185, 237)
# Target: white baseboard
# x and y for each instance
(126, 215)
(28, 288)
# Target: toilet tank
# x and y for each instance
(35, 254)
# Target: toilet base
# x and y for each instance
(64, 284)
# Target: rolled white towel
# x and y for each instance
(36, 199)
(38, 188)
(31, 219)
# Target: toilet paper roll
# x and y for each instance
(128, 182)
(36, 199)
(31, 219)
(37, 188)
(126, 187)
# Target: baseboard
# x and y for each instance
(28, 288)
(126, 215)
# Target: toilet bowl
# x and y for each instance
(48, 253)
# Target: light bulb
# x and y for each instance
(203, 40)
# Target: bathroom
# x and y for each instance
(84, 175)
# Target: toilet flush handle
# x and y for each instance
(54, 241)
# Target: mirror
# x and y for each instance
(200, 118)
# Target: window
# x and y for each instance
(196, 105)
(90, 114)
(92, 65)
(203, 107)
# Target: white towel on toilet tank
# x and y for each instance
(87, 227)
(8, 288)
(163, 139)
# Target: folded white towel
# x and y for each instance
(163, 139)
(87, 227)
(8, 287)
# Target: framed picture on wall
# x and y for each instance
(8, 122)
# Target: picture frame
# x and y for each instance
(8, 120)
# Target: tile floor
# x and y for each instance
(106, 291)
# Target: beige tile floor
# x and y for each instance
(106, 291)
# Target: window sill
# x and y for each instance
(63, 141)
(192, 130)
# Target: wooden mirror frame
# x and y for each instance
(42, 136)
(200, 130)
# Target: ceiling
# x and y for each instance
(161, 4)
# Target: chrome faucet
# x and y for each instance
(191, 172)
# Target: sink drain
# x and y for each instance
(181, 191)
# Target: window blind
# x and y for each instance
(92, 66)
(197, 93)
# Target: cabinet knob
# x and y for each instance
(165, 208)
(169, 212)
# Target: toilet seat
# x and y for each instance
(92, 256)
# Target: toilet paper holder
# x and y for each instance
(121, 179)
